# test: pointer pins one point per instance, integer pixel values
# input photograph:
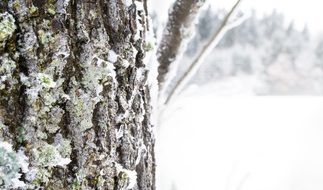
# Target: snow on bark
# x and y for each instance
(11, 163)
(73, 78)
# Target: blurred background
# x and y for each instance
(251, 117)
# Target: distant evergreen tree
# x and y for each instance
(319, 53)
(263, 46)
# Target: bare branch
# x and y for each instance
(180, 19)
(207, 48)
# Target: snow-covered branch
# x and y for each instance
(177, 31)
(206, 49)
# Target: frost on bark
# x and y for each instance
(177, 30)
(74, 97)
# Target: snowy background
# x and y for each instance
(250, 119)
(246, 143)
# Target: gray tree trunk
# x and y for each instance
(75, 104)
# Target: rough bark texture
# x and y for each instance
(180, 20)
(74, 98)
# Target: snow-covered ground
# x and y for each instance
(208, 141)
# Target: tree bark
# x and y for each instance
(75, 103)
(175, 36)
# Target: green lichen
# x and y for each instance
(46, 80)
(7, 64)
(38, 87)
(21, 137)
(76, 185)
(11, 164)
(123, 180)
(49, 156)
(126, 178)
(44, 37)
(51, 123)
(123, 176)
(6, 70)
(51, 9)
(64, 148)
(42, 176)
(46, 155)
(7, 27)
(149, 46)
(16, 5)
(41, 135)
(82, 111)
(9, 167)
(2, 126)
(93, 14)
(33, 11)
(80, 178)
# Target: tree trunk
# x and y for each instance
(75, 100)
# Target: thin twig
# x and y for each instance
(207, 48)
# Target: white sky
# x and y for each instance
(301, 11)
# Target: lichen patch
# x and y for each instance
(7, 27)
